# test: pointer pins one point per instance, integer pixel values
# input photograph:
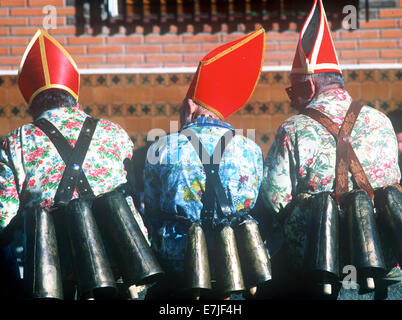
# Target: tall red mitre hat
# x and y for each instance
(45, 65)
(315, 51)
(226, 77)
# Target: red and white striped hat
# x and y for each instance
(315, 51)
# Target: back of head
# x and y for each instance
(50, 99)
(322, 81)
(306, 87)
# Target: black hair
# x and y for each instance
(50, 99)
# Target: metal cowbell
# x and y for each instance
(364, 242)
(321, 260)
(135, 258)
(92, 265)
(196, 263)
(391, 209)
(229, 276)
(42, 274)
(255, 262)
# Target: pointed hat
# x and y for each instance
(226, 76)
(45, 65)
(315, 51)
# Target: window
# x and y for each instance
(214, 12)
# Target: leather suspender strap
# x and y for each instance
(69, 180)
(73, 176)
(214, 190)
(213, 179)
(345, 156)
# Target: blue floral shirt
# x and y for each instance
(175, 181)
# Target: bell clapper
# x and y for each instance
(253, 291)
(370, 283)
(327, 289)
(197, 294)
(133, 292)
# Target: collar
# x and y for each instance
(58, 111)
(204, 121)
(339, 95)
(333, 103)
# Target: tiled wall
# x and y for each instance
(141, 102)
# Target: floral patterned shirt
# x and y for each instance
(175, 181)
(30, 161)
(303, 155)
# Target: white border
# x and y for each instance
(193, 69)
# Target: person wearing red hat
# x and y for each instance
(175, 193)
(303, 157)
(31, 163)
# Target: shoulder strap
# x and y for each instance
(73, 176)
(214, 190)
(345, 156)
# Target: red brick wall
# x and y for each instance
(377, 41)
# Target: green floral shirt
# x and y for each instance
(303, 155)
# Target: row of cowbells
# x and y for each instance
(241, 260)
(92, 234)
(321, 260)
(87, 237)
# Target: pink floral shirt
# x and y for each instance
(29, 160)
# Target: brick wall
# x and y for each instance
(377, 41)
